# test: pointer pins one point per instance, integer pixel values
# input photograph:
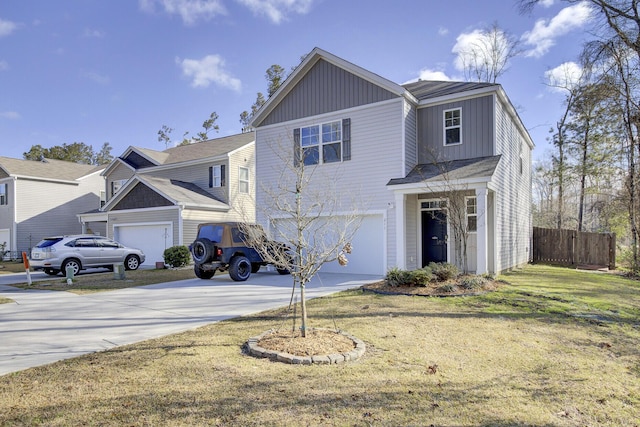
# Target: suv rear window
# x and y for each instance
(211, 232)
(48, 242)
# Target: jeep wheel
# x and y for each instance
(240, 268)
(202, 250)
(203, 274)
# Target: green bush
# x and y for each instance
(444, 271)
(177, 256)
(397, 277)
(473, 282)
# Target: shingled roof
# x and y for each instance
(47, 169)
(425, 89)
(455, 170)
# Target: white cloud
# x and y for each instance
(542, 36)
(207, 70)
(98, 78)
(429, 74)
(7, 27)
(442, 31)
(190, 11)
(11, 115)
(564, 76)
(277, 10)
(546, 3)
(88, 32)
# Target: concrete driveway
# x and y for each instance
(42, 327)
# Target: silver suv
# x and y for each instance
(55, 254)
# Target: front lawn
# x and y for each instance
(552, 347)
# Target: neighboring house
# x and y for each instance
(154, 200)
(406, 149)
(41, 198)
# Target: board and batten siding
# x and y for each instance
(376, 157)
(326, 88)
(477, 131)
(146, 216)
(49, 208)
(513, 193)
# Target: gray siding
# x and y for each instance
(326, 88)
(410, 137)
(477, 131)
(119, 172)
(513, 194)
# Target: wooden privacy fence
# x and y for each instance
(571, 247)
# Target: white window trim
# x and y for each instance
(216, 176)
(119, 183)
(241, 181)
(445, 128)
(468, 215)
(320, 144)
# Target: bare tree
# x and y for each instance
(484, 55)
(311, 219)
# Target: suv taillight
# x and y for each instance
(218, 252)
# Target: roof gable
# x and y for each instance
(331, 82)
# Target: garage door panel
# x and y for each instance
(367, 256)
(151, 239)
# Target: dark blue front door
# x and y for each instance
(434, 237)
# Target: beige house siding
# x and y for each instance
(119, 172)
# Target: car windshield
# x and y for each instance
(48, 242)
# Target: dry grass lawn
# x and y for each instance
(554, 347)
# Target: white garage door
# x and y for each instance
(367, 256)
(152, 239)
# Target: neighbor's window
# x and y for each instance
(243, 180)
(472, 214)
(324, 143)
(116, 185)
(4, 198)
(452, 125)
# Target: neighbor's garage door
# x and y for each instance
(151, 239)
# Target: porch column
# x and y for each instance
(401, 256)
(482, 232)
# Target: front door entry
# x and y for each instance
(434, 236)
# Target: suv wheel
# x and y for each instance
(203, 274)
(240, 268)
(74, 264)
(202, 250)
(131, 262)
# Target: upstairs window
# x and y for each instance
(4, 197)
(452, 126)
(324, 143)
(116, 185)
(243, 180)
(217, 176)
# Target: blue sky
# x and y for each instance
(116, 71)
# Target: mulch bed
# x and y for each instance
(433, 289)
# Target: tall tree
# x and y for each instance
(76, 152)
(275, 75)
(484, 55)
(104, 155)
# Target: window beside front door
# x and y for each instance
(472, 214)
(452, 126)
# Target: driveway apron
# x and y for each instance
(42, 327)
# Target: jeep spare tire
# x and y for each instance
(202, 250)
(240, 268)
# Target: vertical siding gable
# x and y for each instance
(324, 89)
(477, 131)
(140, 197)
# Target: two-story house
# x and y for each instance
(407, 151)
(154, 200)
(41, 198)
